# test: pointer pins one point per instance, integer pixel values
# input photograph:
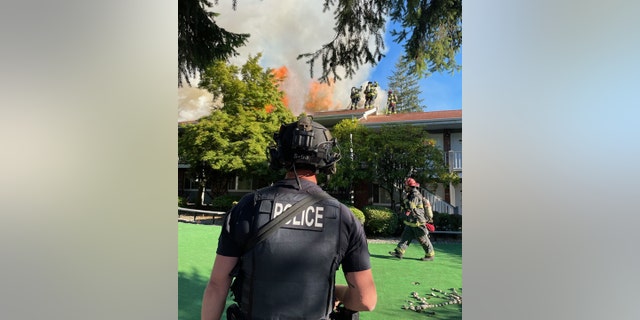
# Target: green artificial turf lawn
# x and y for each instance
(395, 279)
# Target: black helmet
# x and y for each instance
(305, 143)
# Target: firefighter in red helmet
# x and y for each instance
(417, 213)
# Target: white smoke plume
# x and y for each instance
(281, 30)
(194, 103)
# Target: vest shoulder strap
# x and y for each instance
(273, 225)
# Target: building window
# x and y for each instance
(384, 196)
(190, 183)
(380, 195)
(240, 184)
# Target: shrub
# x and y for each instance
(379, 221)
(182, 202)
(223, 203)
(357, 212)
(447, 222)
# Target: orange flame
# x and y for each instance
(280, 74)
(320, 97)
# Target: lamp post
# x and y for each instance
(351, 192)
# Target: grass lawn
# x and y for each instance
(395, 279)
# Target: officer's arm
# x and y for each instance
(215, 295)
(360, 292)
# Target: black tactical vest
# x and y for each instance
(290, 275)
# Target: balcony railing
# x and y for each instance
(454, 159)
(437, 203)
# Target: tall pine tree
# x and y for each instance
(404, 83)
(430, 32)
(201, 40)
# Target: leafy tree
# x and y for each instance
(233, 139)
(398, 151)
(388, 156)
(404, 84)
(430, 31)
(201, 40)
(351, 137)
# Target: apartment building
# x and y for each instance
(445, 127)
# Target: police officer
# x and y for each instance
(291, 274)
(417, 213)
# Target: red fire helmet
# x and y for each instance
(411, 183)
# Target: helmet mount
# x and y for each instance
(304, 144)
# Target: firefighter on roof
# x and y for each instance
(392, 99)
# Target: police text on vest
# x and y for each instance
(310, 218)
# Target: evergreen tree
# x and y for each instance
(404, 83)
(429, 30)
(201, 40)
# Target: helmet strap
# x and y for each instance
(295, 173)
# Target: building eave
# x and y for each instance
(433, 120)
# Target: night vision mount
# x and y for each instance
(305, 143)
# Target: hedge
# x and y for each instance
(447, 222)
(357, 212)
(379, 221)
(223, 203)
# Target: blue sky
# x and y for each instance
(440, 91)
